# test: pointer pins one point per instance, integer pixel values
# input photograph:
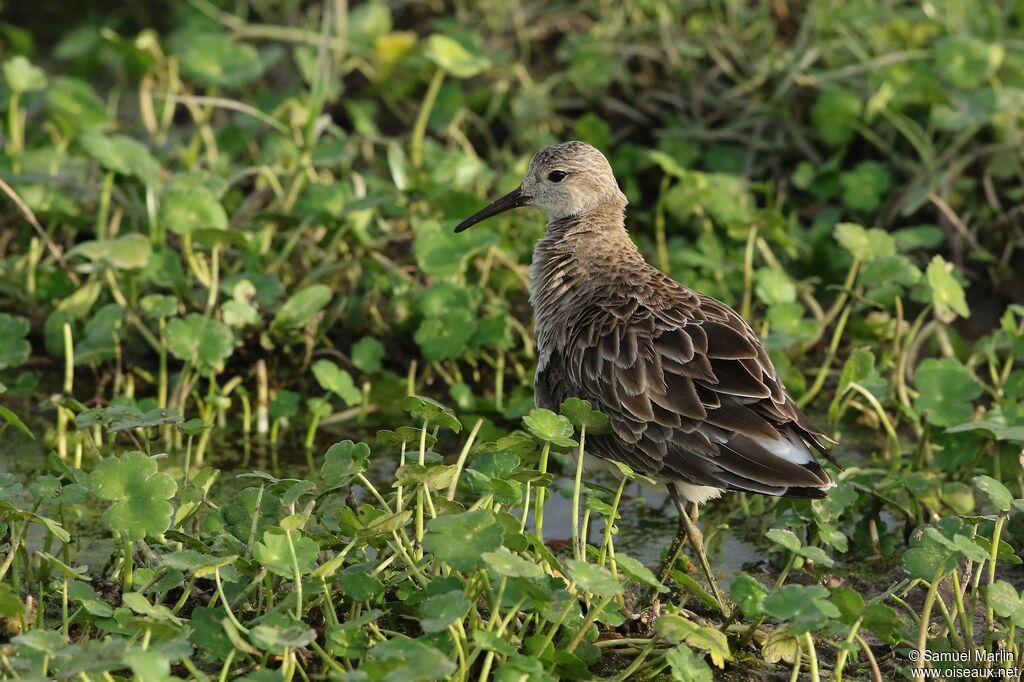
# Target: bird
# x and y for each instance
(691, 395)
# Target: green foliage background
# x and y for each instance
(242, 212)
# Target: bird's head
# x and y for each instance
(566, 179)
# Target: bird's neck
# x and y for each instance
(572, 262)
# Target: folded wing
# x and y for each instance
(691, 395)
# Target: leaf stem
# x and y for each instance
(538, 512)
(419, 130)
(577, 543)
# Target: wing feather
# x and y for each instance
(690, 393)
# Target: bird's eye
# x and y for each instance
(556, 176)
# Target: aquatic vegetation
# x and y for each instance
(227, 241)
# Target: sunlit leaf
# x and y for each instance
(451, 56)
(140, 494)
(947, 292)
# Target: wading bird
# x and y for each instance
(692, 397)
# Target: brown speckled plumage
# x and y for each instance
(692, 396)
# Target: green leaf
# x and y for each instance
(865, 245)
(947, 391)
(593, 578)
(205, 343)
(274, 553)
(858, 368)
(139, 604)
(127, 252)
(22, 76)
(490, 641)
(186, 210)
(399, 165)
(993, 429)
(424, 408)
(929, 556)
(45, 641)
(687, 666)
(834, 115)
(120, 154)
(966, 60)
(117, 418)
(11, 606)
(968, 547)
(347, 640)
(367, 354)
(791, 542)
(278, 638)
(883, 621)
(195, 426)
(75, 104)
(336, 380)
(865, 186)
(406, 660)
(918, 237)
(749, 595)
(343, 461)
(549, 427)
(385, 524)
(891, 270)
(15, 421)
(216, 59)
(148, 665)
(947, 293)
(440, 611)
(301, 307)
(207, 632)
(139, 493)
(84, 594)
(432, 476)
(237, 314)
(14, 348)
(97, 345)
(157, 306)
(999, 494)
(511, 565)
(451, 56)
(580, 413)
(1004, 600)
(447, 337)
(359, 585)
(774, 286)
(805, 607)
(202, 565)
(461, 539)
(786, 538)
(638, 572)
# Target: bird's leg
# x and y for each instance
(697, 540)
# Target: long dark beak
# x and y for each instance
(511, 200)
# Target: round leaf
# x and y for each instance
(184, 211)
(301, 307)
(451, 56)
(120, 154)
(512, 565)
(461, 539)
(14, 348)
(947, 391)
(139, 493)
(549, 427)
(593, 578)
(204, 342)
